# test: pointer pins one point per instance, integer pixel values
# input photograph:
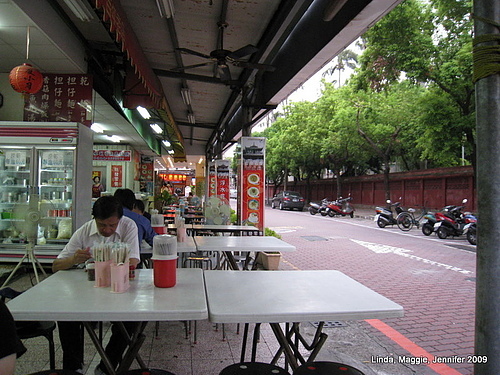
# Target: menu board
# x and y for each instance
(253, 181)
(63, 97)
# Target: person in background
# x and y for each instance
(11, 346)
(140, 209)
(144, 228)
(108, 225)
(97, 187)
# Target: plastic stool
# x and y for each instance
(56, 372)
(326, 368)
(253, 368)
(150, 371)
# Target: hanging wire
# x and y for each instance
(485, 58)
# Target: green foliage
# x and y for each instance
(166, 197)
(270, 232)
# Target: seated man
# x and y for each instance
(10, 345)
(144, 228)
(108, 225)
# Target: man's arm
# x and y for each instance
(80, 256)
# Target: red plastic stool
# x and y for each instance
(326, 368)
(253, 368)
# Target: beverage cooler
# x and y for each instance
(45, 186)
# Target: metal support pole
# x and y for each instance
(487, 329)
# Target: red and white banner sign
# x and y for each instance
(116, 176)
(222, 167)
(113, 155)
(253, 181)
(212, 180)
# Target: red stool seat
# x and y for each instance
(326, 368)
(253, 368)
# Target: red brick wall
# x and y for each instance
(432, 188)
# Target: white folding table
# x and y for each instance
(229, 244)
(68, 296)
(276, 297)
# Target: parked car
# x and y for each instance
(233, 193)
(288, 199)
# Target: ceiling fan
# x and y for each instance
(222, 57)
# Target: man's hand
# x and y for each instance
(81, 256)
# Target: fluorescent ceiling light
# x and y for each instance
(144, 112)
(166, 143)
(186, 96)
(114, 138)
(156, 128)
(191, 118)
(81, 9)
(97, 128)
(201, 160)
(166, 8)
(171, 152)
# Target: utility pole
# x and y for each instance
(487, 76)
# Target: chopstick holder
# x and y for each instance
(120, 277)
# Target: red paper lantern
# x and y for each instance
(26, 79)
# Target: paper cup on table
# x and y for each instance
(120, 277)
(164, 245)
(103, 274)
(165, 271)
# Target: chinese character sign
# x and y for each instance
(62, 98)
(252, 181)
(116, 176)
(222, 167)
(212, 180)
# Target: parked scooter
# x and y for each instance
(320, 208)
(384, 215)
(340, 207)
(451, 221)
(428, 222)
(470, 230)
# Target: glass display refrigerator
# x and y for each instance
(45, 187)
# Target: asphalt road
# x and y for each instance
(433, 279)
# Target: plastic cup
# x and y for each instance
(165, 272)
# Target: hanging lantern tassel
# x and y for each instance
(26, 79)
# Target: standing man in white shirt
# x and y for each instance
(108, 225)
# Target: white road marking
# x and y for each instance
(386, 249)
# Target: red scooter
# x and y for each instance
(340, 207)
(452, 221)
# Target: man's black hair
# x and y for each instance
(126, 197)
(106, 207)
(138, 204)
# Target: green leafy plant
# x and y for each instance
(166, 197)
(270, 232)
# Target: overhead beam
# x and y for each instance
(194, 77)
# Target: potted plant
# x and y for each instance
(270, 260)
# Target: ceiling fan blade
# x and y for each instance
(182, 68)
(224, 73)
(243, 51)
(257, 66)
(191, 52)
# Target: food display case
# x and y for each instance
(45, 186)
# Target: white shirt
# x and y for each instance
(87, 235)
